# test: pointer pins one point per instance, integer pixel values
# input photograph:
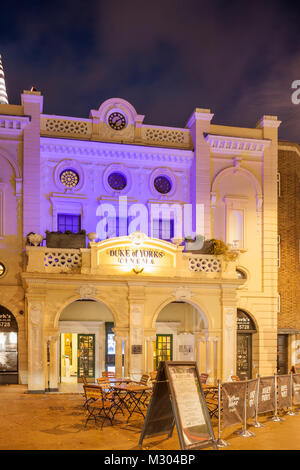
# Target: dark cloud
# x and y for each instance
(165, 56)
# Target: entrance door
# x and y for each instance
(244, 354)
(86, 356)
(282, 354)
(164, 348)
(8, 347)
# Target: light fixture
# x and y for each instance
(137, 269)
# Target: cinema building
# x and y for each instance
(78, 303)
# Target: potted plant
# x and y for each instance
(218, 247)
(66, 240)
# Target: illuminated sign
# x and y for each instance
(135, 253)
(140, 256)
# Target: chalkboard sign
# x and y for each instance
(178, 398)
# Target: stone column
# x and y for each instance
(229, 342)
(213, 342)
(136, 330)
(126, 358)
(54, 362)
(149, 353)
(36, 373)
(136, 363)
(201, 356)
(118, 356)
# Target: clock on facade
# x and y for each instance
(117, 121)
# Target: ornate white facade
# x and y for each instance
(229, 171)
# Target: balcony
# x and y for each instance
(111, 257)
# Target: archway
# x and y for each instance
(86, 343)
(246, 345)
(8, 347)
(181, 335)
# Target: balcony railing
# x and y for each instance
(75, 261)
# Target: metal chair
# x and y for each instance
(108, 373)
(235, 378)
(203, 378)
(99, 405)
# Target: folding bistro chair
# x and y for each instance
(203, 378)
(108, 373)
(212, 406)
(99, 406)
(153, 376)
(147, 395)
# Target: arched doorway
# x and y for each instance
(179, 327)
(86, 345)
(244, 355)
(8, 347)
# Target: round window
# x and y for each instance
(69, 178)
(162, 184)
(241, 274)
(2, 269)
(117, 181)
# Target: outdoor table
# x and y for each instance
(130, 396)
(209, 390)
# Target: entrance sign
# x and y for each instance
(178, 399)
(135, 252)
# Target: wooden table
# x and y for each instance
(130, 396)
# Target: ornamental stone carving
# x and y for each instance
(87, 291)
(35, 313)
(183, 293)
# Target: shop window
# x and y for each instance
(68, 222)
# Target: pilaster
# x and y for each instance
(33, 105)
(199, 125)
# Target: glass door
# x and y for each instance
(164, 348)
(244, 354)
(86, 356)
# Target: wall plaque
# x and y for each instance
(136, 349)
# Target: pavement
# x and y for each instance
(56, 422)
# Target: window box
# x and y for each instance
(66, 240)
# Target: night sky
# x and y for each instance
(166, 57)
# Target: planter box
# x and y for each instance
(65, 240)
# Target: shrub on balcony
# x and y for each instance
(66, 240)
(218, 247)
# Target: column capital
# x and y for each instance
(199, 114)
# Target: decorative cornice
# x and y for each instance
(117, 152)
(236, 145)
(199, 115)
(268, 121)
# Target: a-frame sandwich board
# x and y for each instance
(178, 398)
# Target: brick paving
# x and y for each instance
(56, 422)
